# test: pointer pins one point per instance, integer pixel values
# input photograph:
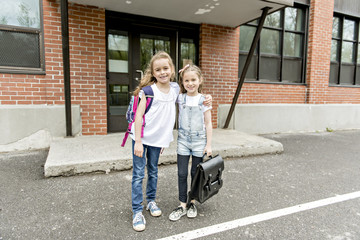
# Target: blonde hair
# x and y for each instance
(148, 77)
(197, 71)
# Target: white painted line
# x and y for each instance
(261, 217)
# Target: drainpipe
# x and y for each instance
(66, 64)
(247, 64)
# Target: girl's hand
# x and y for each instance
(208, 100)
(138, 149)
(207, 150)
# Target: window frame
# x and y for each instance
(38, 31)
(281, 57)
(340, 64)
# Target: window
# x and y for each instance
(280, 53)
(188, 52)
(345, 59)
(21, 48)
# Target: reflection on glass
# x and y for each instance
(270, 41)
(149, 45)
(336, 27)
(347, 52)
(349, 30)
(19, 49)
(188, 52)
(23, 13)
(118, 49)
(334, 51)
(118, 95)
(273, 20)
(294, 19)
(246, 37)
(292, 45)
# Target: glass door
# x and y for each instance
(131, 42)
(129, 53)
(118, 80)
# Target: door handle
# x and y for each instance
(141, 75)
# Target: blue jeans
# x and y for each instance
(152, 155)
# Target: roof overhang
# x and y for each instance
(231, 13)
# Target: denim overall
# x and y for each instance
(191, 133)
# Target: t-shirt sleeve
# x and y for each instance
(176, 87)
(205, 108)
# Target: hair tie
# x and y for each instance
(186, 66)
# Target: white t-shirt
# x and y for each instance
(160, 119)
(191, 101)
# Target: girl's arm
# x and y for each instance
(138, 147)
(208, 127)
(208, 100)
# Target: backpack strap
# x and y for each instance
(149, 94)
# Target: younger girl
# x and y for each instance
(194, 134)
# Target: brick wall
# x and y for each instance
(88, 67)
(318, 67)
(219, 54)
(319, 47)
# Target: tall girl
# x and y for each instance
(158, 133)
(194, 134)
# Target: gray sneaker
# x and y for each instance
(192, 211)
(177, 213)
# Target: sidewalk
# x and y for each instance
(85, 154)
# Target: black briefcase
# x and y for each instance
(207, 180)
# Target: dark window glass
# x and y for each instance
(279, 56)
(270, 42)
(334, 73)
(251, 73)
(270, 69)
(188, 52)
(293, 44)
(294, 19)
(345, 51)
(151, 44)
(336, 27)
(335, 50)
(347, 74)
(292, 70)
(247, 34)
(349, 30)
(21, 48)
(273, 20)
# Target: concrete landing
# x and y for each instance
(86, 154)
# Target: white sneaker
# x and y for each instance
(177, 213)
(192, 211)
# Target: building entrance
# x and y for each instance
(130, 46)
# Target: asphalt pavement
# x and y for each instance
(313, 168)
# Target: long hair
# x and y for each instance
(148, 77)
(197, 71)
